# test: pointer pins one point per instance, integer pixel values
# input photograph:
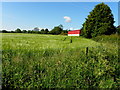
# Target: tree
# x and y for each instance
(12, 31)
(18, 30)
(56, 30)
(24, 31)
(118, 30)
(118, 26)
(42, 31)
(46, 31)
(64, 32)
(29, 31)
(100, 21)
(60, 26)
(4, 31)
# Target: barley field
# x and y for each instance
(56, 61)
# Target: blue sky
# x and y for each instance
(28, 15)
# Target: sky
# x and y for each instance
(60, 0)
(28, 15)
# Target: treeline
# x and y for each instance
(58, 30)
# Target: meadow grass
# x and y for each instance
(53, 61)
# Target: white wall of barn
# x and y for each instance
(73, 34)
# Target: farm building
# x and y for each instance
(74, 33)
(36, 29)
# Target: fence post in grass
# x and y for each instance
(71, 40)
(86, 51)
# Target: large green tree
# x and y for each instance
(99, 21)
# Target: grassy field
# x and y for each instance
(55, 61)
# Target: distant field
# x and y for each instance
(56, 61)
(37, 41)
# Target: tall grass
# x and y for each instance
(108, 39)
(47, 61)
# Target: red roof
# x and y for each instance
(74, 32)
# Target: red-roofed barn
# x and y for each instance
(74, 33)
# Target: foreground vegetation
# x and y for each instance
(47, 61)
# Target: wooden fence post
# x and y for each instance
(71, 40)
(86, 51)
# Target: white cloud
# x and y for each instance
(67, 19)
